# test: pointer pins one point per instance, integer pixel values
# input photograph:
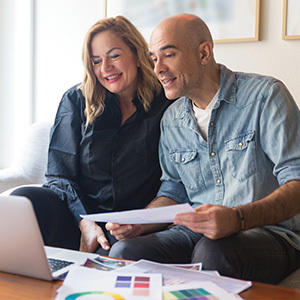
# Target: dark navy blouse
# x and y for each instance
(108, 166)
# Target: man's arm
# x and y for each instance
(280, 205)
(216, 221)
(128, 231)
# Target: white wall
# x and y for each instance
(6, 77)
(60, 29)
(40, 58)
(60, 26)
(271, 55)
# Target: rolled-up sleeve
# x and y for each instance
(280, 133)
(175, 191)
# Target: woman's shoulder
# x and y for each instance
(73, 96)
(73, 93)
(72, 101)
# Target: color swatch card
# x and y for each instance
(89, 284)
(197, 291)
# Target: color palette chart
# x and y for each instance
(92, 284)
(140, 285)
(190, 294)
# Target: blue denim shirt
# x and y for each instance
(253, 146)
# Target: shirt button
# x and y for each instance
(240, 144)
(213, 154)
(218, 181)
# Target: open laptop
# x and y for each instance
(22, 250)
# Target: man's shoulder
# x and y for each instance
(248, 78)
(247, 87)
(253, 87)
(245, 78)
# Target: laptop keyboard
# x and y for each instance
(57, 264)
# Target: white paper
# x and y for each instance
(165, 214)
(193, 267)
(176, 276)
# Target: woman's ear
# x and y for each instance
(205, 52)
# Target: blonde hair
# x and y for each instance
(93, 91)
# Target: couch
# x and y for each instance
(30, 166)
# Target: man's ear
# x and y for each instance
(205, 52)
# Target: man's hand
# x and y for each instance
(91, 236)
(122, 232)
(214, 221)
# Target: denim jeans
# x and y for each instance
(257, 254)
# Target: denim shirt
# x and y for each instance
(253, 146)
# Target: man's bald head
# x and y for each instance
(181, 48)
(187, 26)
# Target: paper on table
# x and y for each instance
(165, 214)
(175, 276)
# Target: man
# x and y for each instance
(231, 147)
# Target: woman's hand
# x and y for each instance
(92, 236)
(122, 232)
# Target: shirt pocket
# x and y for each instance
(188, 167)
(242, 155)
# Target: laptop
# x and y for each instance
(22, 250)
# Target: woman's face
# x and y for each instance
(115, 65)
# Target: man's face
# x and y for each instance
(176, 62)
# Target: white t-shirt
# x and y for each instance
(203, 115)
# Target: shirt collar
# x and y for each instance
(112, 97)
(227, 92)
(228, 85)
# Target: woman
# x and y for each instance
(104, 142)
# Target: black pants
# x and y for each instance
(257, 254)
(56, 222)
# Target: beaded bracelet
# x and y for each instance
(241, 216)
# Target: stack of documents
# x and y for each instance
(148, 280)
(107, 279)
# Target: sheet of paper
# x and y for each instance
(175, 276)
(165, 214)
(194, 267)
(89, 283)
